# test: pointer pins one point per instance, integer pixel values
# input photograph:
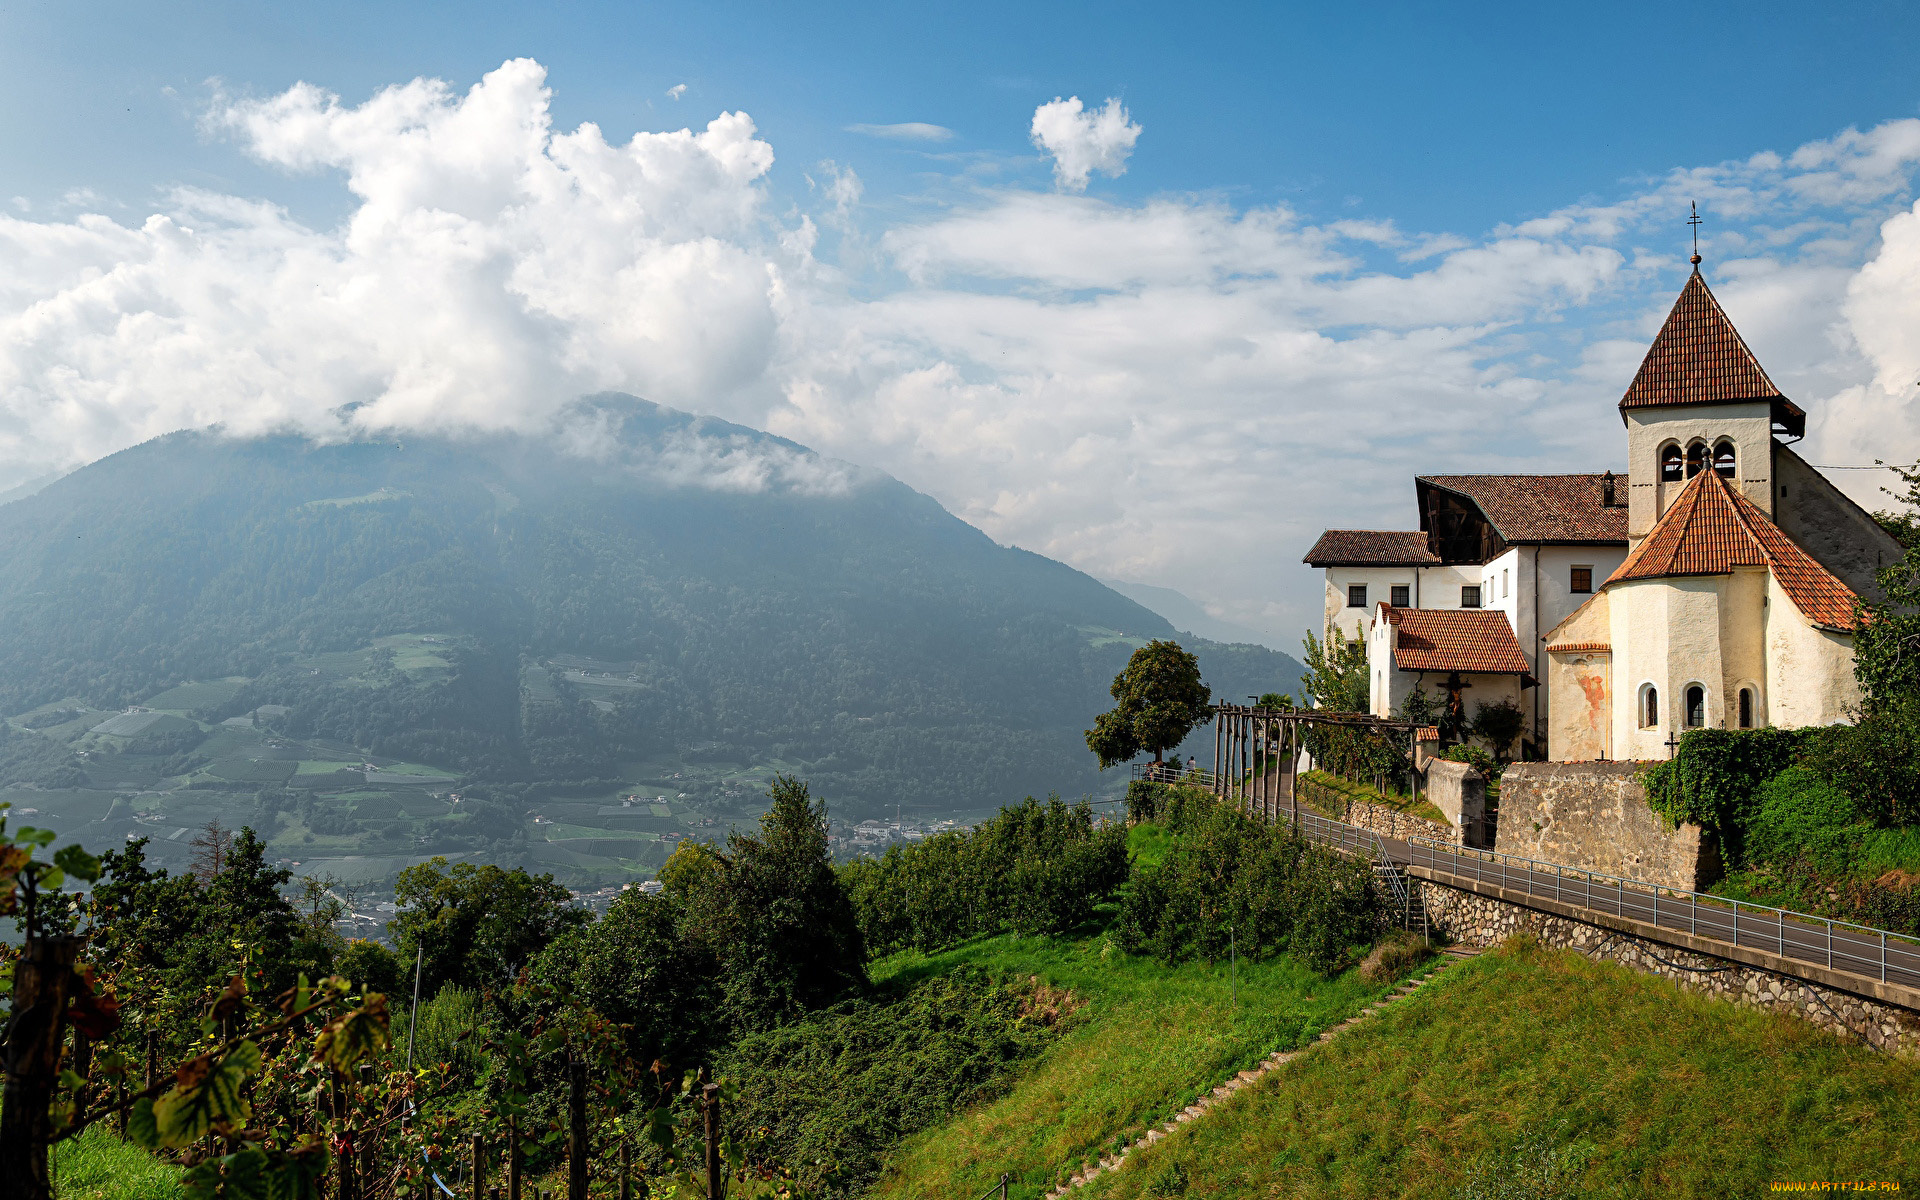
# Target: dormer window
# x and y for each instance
(1670, 465)
(1723, 459)
(1696, 459)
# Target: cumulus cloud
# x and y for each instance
(1177, 390)
(905, 131)
(1083, 142)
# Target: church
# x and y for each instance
(1736, 604)
(1714, 586)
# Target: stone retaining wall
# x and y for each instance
(1377, 817)
(1475, 920)
(1595, 815)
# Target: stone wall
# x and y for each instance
(1377, 817)
(1595, 815)
(1459, 791)
(1477, 920)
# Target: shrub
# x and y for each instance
(1034, 868)
(830, 1095)
(1476, 758)
(1393, 956)
(1798, 813)
(1271, 888)
(1713, 778)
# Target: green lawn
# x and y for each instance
(97, 1165)
(1150, 1040)
(1527, 1063)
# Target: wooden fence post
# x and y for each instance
(40, 985)
(479, 1168)
(710, 1103)
(626, 1172)
(513, 1158)
(577, 1130)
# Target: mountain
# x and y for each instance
(1186, 616)
(644, 601)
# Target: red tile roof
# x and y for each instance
(1711, 528)
(1371, 548)
(1448, 639)
(1542, 508)
(1698, 357)
(1580, 647)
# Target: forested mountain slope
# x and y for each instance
(643, 583)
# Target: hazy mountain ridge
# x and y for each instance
(767, 605)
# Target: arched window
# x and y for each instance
(1696, 706)
(1670, 465)
(1746, 708)
(1696, 459)
(1649, 707)
(1723, 459)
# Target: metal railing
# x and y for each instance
(1817, 941)
(1198, 777)
(1837, 945)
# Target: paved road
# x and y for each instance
(1855, 950)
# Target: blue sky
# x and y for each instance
(1333, 246)
(1439, 116)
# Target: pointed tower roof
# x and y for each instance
(1711, 528)
(1699, 358)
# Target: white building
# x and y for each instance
(1526, 550)
(1735, 606)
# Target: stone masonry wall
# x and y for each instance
(1377, 817)
(1459, 791)
(1476, 920)
(1595, 815)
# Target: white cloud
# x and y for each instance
(1083, 142)
(1178, 391)
(676, 91)
(905, 131)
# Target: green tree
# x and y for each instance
(1158, 700)
(1499, 723)
(774, 916)
(1336, 677)
(639, 968)
(477, 926)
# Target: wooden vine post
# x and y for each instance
(577, 1130)
(513, 1158)
(710, 1106)
(41, 982)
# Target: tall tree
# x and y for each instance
(1158, 699)
(774, 915)
(1336, 677)
(477, 926)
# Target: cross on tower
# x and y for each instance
(1694, 220)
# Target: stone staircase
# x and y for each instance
(1219, 1095)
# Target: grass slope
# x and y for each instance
(1150, 1040)
(97, 1165)
(1526, 1064)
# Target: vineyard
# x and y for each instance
(722, 1036)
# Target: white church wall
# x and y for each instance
(1809, 671)
(1580, 697)
(1743, 644)
(1665, 635)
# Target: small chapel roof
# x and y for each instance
(1711, 528)
(1698, 357)
(1371, 548)
(1455, 639)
